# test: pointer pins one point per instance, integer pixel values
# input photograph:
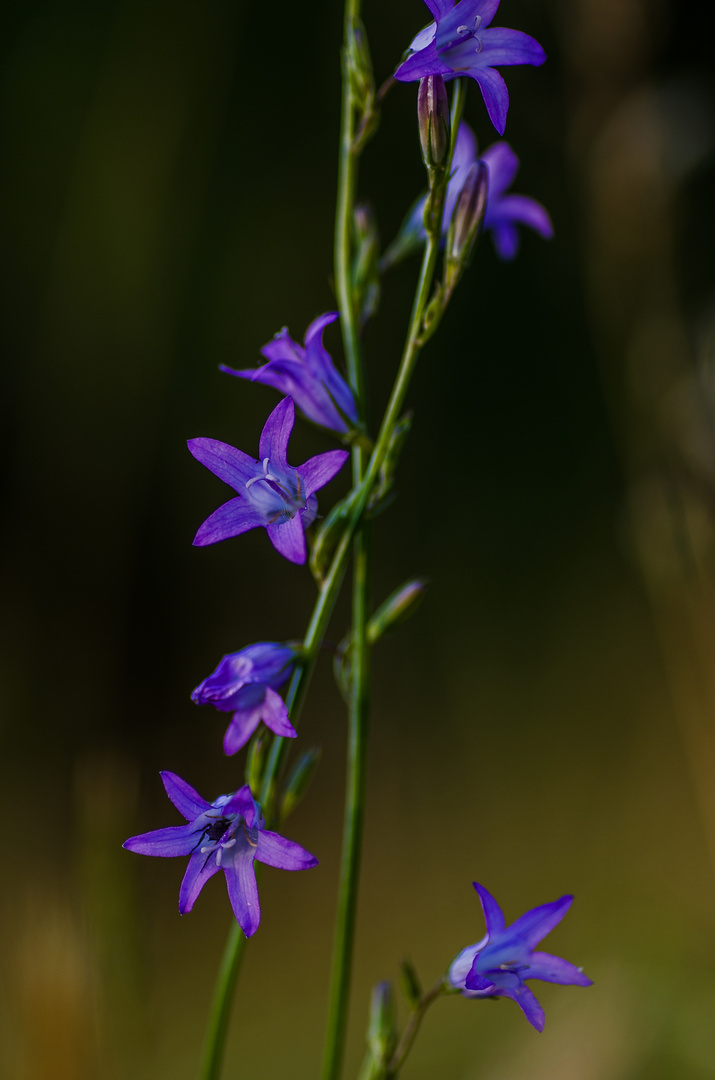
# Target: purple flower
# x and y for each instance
(308, 374)
(271, 493)
(227, 834)
(245, 682)
(461, 42)
(503, 211)
(501, 962)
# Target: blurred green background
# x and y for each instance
(544, 724)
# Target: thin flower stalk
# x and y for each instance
(233, 954)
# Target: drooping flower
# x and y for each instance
(503, 211)
(245, 683)
(499, 964)
(227, 834)
(461, 42)
(307, 373)
(271, 494)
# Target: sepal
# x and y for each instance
(410, 984)
(298, 781)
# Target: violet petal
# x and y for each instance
(288, 538)
(164, 843)
(275, 850)
(201, 867)
(231, 519)
(229, 464)
(276, 433)
(555, 970)
(319, 470)
(185, 798)
(242, 888)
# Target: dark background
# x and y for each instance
(544, 725)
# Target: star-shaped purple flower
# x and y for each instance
(499, 964)
(227, 834)
(271, 494)
(307, 373)
(504, 212)
(461, 42)
(245, 683)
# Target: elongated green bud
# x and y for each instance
(298, 780)
(398, 607)
(381, 1028)
(256, 760)
(328, 535)
(468, 214)
(433, 119)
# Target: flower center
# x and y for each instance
(278, 497)
(219, 836)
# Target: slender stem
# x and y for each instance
(358, 728)
(221, 1005)
(358, 704)
(233, 954)
(413, 1026)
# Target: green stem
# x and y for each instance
(233, 954)
(221, 1005)
(358, 704)
(413, 1026)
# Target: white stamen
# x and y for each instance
(266, 475)
(229, 843)
(205, 849)
(462, 29)
(219, 853)
(477, 21)
(479, 45)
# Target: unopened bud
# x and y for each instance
(433, 118)
(299, 779)
(256, 760)
(381, 1029)
(468, 213)
(398, 607)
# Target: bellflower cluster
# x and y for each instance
(307, 373)
(227, 834)
(271, 494)
(461, 42)
(500, 964)
(245, 683)
(470, 192)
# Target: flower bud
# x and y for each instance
(468, 214)
(256, 759)
(381, 1029)
(301, 775)
(398, 607)
(433, 119)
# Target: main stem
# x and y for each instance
(358, 701)
(235, 945)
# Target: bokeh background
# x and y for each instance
(544, 724)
